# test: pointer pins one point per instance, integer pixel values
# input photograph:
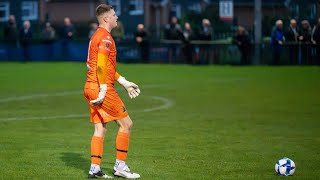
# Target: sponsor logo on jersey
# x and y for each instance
(106, 40)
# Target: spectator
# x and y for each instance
(305, 39)
(206, 31)
(187, 47)
(206, 34)
(93, 27)
(277, 39)
(25, 40)
(173, 32)
(118, 32)
(48, 37)
(292, 39)
(242, 40)
(11, 36)
(67, 37)
(316, 40)
(141, 37)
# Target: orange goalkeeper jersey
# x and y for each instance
(101, 65)
(102, 50)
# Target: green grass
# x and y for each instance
(225, 122)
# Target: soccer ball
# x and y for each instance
(285, 167)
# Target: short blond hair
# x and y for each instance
(279, 22)
(103, 8)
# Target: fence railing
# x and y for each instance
(171, 52)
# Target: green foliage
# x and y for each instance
(225, 122)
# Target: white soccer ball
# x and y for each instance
(285, 167)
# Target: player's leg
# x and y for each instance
(122, 145)
(97, 146)
(97, 151)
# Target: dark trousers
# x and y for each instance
(66, 49)
(26, 52)
(11, 50)
(173, 53)
(293, 54)
(187, 52)
(206, 54)
(317, 62)
(144, 54)
(276, 54)
(245, 56)
(49, 49)
(306, 58)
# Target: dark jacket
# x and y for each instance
(25, 37)
(187, 36)
(144, 36)
(65, 32)
(276, 36)
(173, 32)
(48, 35)
(206, 33)
(11, 33)
(242, 41)
(316, 35)
(292, 36)
(306, 34)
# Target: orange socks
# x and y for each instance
(122, 144)
(96, 149)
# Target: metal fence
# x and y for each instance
(168, 52)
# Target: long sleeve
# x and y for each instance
(116, 76)
(102, 62)
(102, 68)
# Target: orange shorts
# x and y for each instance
(112, 107)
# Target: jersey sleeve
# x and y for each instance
(103, 62)
(116, 76)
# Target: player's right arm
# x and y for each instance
(102, 61)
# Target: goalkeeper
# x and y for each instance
(104, 102)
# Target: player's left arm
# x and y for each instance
(132, 89)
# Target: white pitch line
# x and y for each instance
(22, 98)
(66, 93)
(44, 117)
(167, 103)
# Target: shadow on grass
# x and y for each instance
(75, 160)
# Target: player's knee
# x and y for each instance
(127, 125)
(100, 130)
(130, 124)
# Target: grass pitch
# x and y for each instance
(189, 122)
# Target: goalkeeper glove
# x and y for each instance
(101, 95)
(132, 89)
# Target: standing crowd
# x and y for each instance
(22, 38)
(303, 42)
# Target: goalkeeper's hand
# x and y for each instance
(101, 95)
(132, 89)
